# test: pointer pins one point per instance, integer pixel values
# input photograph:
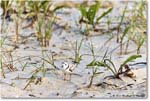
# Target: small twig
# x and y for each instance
(30, 81)
(138, 63)
(99, 84)
(125, 86)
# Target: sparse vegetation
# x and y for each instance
(77, 48)
(6, 5)
(122, 38)
(95, 68)
(38, 36)
(105, 63)
(88, 15)
(44, 31)
(121, 21)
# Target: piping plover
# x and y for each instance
(1, 11)
(68, 68)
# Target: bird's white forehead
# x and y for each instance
(65, 64)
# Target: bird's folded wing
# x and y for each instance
(72, 67)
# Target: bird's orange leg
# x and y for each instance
(64, 76)
(69, 77)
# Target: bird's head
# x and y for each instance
(65, 65)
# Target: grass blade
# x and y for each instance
(104, 14)
(129, 59)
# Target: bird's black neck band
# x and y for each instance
(67, 67)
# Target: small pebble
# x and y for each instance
(57, 94)
(53, 45)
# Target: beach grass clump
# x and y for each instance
(2, 40)
(77, 48)
(6, 6)
(138, 22)
(121, 22)
(44, 31)
(95, 73)
(95, 69)
(122, 39)
(109, 64)
(140, 41)
(89, 14)
(135, 29)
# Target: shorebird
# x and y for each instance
(68, 69)
(1, 11)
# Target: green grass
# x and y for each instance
(122, 39)
(94, 66)
(138, 25)
(140, 41)
(88, 15)
(39, 11)
(2, 42)
(6, 5)
(44, 31)
(95, 73)
(109, 64)
(77, 48)
(121, 21)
